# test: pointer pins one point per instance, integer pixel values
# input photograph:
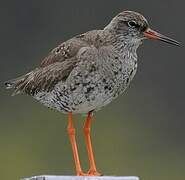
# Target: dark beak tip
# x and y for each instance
(151, 34)
(172, 42)
(179, 44)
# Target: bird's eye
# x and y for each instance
(132, 24)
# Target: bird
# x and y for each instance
(87, 72)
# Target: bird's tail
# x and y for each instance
(15, 83)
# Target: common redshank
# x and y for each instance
(87, 72)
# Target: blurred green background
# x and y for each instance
(141, 133)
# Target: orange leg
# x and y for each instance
(92, 171)
(71, 132)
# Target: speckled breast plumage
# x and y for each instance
(92, 84)
(84, 73)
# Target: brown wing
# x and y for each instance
(42, 79)
(54, 68)
(64, 51)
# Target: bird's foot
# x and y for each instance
(89, 173)
(94, 173)
(81, 173)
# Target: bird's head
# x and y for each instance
(133, 27)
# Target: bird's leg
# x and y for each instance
(71, 132)
(92, 171)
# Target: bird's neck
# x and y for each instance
(126, 48)
(123, 43)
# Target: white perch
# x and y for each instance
(48, 177)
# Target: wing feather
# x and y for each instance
(42, 79)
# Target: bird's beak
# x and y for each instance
(151, 34)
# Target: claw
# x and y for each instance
(94, 173)
(82, 174)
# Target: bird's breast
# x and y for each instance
(91, 85)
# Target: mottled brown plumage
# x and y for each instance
(58, 64)
(107, 55)
(87, 72)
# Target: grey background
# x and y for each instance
(141, 133)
